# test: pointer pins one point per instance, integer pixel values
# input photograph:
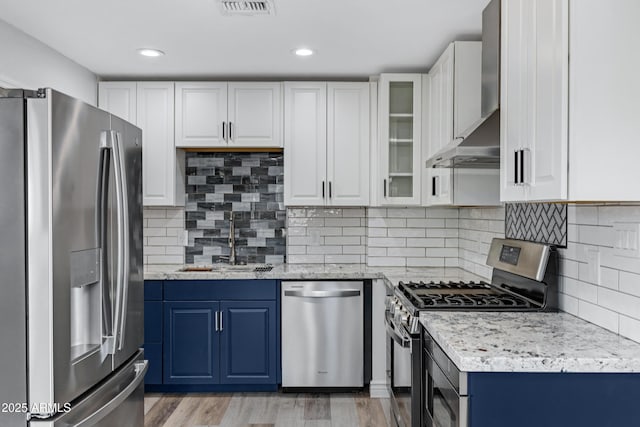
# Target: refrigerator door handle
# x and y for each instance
(104, 170)
(123, 237)
(141, 369)
(112, 141)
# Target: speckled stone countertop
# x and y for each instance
(391, 275)
(529, 342)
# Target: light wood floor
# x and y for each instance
(265, 410)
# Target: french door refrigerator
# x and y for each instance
(71, 273)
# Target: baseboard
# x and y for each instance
(378, 390)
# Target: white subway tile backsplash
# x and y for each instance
(406, 252)
(599, 315)
(386, 261)
(406, 232)
(406, 213)
(427, 223)
(342, 240)
(425, 242)
(387, 222)
(305, 259)
(630, 283)
(342, 259)
(629, 327)
(387, 242)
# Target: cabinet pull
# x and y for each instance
(217, 324)
(515, 167)
(384, 187)
(329, 189)
(521, 166)
(323, 189)
(433, 186)
(224, 133)
(231, 131)
(221, 327)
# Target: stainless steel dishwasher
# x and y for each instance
(322, 334)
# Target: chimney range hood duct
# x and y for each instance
(479, 146)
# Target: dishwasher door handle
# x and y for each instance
(322, 294)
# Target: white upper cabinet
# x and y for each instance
(118, 98)
(569, 122)
(201, 114)
(399, 121)
(255, 114)
(326, 152)
(305, 143)
(162, 164)
(150, 106)
(452, 104)
(348, 143)
(221, 114)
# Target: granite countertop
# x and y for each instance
(391, 275)
(529, 342)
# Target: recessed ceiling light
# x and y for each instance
(150, 52)
(303, 51)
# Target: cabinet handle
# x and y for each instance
(224, 133)
(329, 189)
(384, 187)
(231, 131)
(323, 189)
(433, 186)
(217, 324)
(515, 167)
(521, 166)
(221, 327)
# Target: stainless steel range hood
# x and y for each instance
(479, 146)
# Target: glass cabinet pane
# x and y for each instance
(401, 143)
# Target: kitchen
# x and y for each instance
(373, 214)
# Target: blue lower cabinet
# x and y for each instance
(191, 343)
(153, 331)
(212, 335)
(248, 342)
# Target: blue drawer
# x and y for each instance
(213, 290)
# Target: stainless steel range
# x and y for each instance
(524, 279)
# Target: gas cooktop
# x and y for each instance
(457, 295)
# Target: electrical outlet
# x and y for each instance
(627, 239)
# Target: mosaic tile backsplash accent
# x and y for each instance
(248, 186)
(537, 222)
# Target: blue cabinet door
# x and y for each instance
(191, 343)
(248, 342)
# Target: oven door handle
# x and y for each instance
(394, 333)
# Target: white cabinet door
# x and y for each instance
(161, 164)
(534, 100)
(305, 142)
(515, 73)
(348, 144)
(118, 98)
(201, 114)
(467, 81)
(548, 150)
(255, 114)
(399, 120)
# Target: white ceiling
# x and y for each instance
(353, 38)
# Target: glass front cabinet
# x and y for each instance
(399, 108)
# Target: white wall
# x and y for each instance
(28, 63)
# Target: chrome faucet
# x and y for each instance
(232, 241)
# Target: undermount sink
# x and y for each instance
(228, 267)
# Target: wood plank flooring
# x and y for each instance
(265, 410)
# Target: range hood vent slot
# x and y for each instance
(247, 8)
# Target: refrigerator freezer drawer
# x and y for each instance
(117, 402)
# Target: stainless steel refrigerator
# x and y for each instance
(71, 273)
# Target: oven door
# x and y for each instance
(443, 406)
(405, 399)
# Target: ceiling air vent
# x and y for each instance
(247, 8)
